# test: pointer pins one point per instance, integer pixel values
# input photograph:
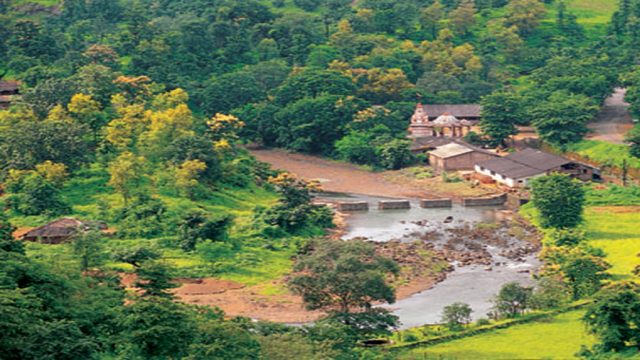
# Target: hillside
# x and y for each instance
(131, 120)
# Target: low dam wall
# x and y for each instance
(394, 204)
(436, 203)
(498, 200)
(353, 206)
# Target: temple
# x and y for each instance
(453, 121)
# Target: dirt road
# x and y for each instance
(613, 121)
(347, 178)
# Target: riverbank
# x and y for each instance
(421, 268)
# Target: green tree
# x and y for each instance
(581, 268)
(633, 138)
(456, 315)
(501, 111)
(58, 141)
(512, 300)
(7, 242)
(431, 18)
(32, 194)
(311, 83)
(614, 317)
(463, 17)
(343, 276)
(197, 227)
(88, 246)
(396, 154)
(156, 328)
(136, 256)
(223, 340)
(312, 125)
(562, 119)
(357, 148)
(550, 292)
(155, 279)
(559, 201)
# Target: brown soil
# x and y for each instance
(273, 302)
(348, 178)
(616, 209)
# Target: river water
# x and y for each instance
(472, 284)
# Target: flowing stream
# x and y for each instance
(472, 284)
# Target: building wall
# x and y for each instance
(510, 182)
(460, 162)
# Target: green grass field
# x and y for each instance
(616, 230)
(605, 153)
(556, 338)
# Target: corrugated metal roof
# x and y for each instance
(525, 163)
(538, 159)
(451, 150)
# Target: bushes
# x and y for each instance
(380, 152)
(33, 194)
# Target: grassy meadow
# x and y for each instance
(559, 337)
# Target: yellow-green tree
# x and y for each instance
(463, 17)
(383, 86)
(53, 172)
(87, 111)
(224, 127)
(123, 131)
(187, 176)
(524, 14)
(58, 114)
(127, 174)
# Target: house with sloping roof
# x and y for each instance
(9, 89)
(457, 156)
(517, 169)
(61, 230)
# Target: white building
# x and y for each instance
(517, 169)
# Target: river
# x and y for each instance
(472, 284)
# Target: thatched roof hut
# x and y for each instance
(61, 230)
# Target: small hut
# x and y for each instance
(8, 91)
(61, 230)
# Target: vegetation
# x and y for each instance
(134, 113)
(559, 201)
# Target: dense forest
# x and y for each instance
(136, 112)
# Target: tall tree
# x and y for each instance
(559, 200)
(501, 111)
(562, 119)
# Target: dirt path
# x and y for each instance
(347, 178)
(335, 176)
(613, 121)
